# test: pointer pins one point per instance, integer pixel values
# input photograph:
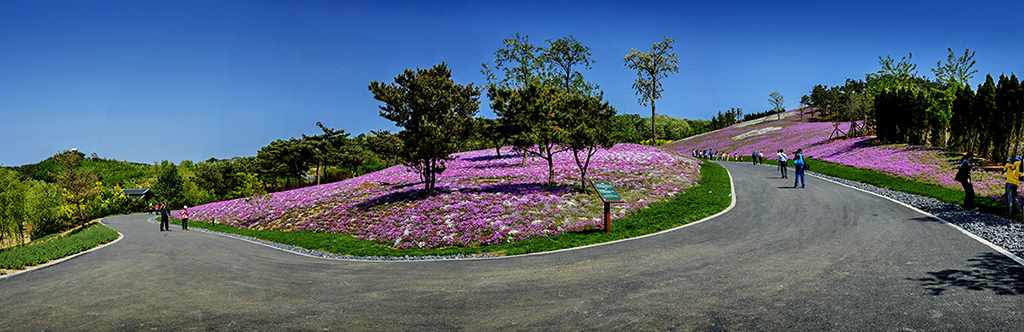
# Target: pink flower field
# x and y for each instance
(923, 164)
(483, 200)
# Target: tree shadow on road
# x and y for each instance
(989, 272)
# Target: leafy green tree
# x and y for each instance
(43, 209)
(12, 206)
(286, 159)
(561, 57)
(436, 115)
(387, 145)
(519, 61)
(589, 123)
(333, 148)
(169, 187)
(628, 128)
(651, 67)
(217, 177)
(78, 185)
(892, 74)
(493, 133)
(957, 70)
(535, 112)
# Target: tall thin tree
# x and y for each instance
(651, 67)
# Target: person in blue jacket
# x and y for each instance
(800, 165)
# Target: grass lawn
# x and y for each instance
(709, 197)
(56, 246)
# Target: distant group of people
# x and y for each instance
(713, 155)
(799, 164)
(165, 222)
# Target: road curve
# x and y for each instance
(821, 258)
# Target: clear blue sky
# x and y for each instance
(145, 81)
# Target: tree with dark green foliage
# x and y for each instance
(386, 145)
(651, 67)
(286, 159)
(561, 57)
(627, 128)
(521, 62)
(722, 120)
(535, 112)
(518, 63)
(333, 148)
(589, 124)
(169, 186)
(493, 133)
(966, 132)
(985, 111)
(1008, 106)
(436, 115)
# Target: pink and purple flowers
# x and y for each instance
(483, 199)
(923, 164)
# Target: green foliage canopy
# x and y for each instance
(436, 115)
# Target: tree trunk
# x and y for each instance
(653, 132)
(551, 172)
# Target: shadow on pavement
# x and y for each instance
(990, 271)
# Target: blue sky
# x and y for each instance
(146, 81)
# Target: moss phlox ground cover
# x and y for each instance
(483, 199)
(922, 164)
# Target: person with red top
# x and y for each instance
(184, 218)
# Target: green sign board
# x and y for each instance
(607, 191)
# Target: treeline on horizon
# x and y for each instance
(900, 106)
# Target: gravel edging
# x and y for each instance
(327, 255)
(1003, 233)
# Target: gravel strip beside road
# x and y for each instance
(1006, 234)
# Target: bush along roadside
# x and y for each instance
(56, 247)
(710, 196)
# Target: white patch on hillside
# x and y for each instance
(772, 117)
(754, 133)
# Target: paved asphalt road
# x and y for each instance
(822, 258)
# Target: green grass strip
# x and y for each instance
(709, 197)
(878, 179)
(45, 251)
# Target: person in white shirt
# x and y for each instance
(783, 160)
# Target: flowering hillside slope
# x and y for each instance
(768, 134)
(484, 199)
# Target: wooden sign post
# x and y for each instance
(608, 195)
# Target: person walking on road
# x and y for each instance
(1012, 169)
(164, 224)
(800, 165)
(963, 175)
(184, 218)
(783, 162)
